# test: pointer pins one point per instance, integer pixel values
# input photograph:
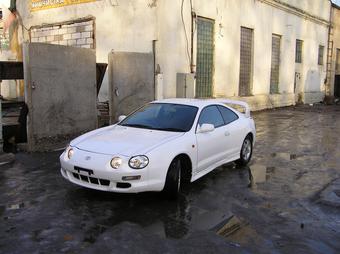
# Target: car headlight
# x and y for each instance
(70, 152)
(116, 162)
(138, 162)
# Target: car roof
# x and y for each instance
(200, 103)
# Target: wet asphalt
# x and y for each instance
(286, 201)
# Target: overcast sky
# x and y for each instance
(334, 1)
(5, 2)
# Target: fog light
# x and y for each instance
(131, 178)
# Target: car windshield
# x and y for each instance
(162, 116)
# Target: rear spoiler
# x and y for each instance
(238, 103)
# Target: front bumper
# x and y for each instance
(93, 171)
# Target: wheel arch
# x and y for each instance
(186, 166)
(251, 135)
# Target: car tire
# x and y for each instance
(246, 152)
(173, 180)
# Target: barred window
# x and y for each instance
(298, 52)
(320, 56)
(337, 63)
(246, 62)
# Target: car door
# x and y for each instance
(234, 131)
(210, 149)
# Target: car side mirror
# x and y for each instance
(206, 127)
(121, 118)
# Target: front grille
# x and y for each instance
(123, 185)
(91, 180)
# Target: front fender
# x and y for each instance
(161, 157)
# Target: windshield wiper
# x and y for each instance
(170, 129)
(142, 126)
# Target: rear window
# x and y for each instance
(228, 115)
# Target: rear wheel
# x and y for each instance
(246, 152)
(173, 179)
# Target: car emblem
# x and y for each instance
(87, 158)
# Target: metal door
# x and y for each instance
(205, 57)
(337, 86)
(246, 62)
(60, 92)
(337, 74)
(131, 82)
(275, 66)
(297, 87)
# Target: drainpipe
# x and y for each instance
(193, 17)
(329, 56)
(154, 42)
(13, 6)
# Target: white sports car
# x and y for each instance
(161, 144)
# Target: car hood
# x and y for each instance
(126, 141)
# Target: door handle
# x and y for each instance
(117, 92)
(227, 134)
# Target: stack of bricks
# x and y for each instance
(76, 34)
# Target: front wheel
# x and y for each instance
(173, 180)
(246, 152)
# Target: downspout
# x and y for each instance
(329, 56)
(154, 66)
(192, 70)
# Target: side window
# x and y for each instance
(228, 115)
(211, 115)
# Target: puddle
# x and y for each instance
(15, 206)
(259, 174)
(209, 219)
(284, 156)
(331, 194)
(2, 210)
(237, 230)
(21, 205)
(230, 226)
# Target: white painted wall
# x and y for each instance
(8, 88)
(132, 25)
(229, 16)
(336, 44)
(127, 25)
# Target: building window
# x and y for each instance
(275, 67)
(205, 57)
(337, 63)
(320, 56)
(246, 62)
(298, 52)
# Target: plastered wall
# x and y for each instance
(132, 25)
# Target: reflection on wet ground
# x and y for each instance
(285, 201)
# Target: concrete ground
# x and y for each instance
(286, 201)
